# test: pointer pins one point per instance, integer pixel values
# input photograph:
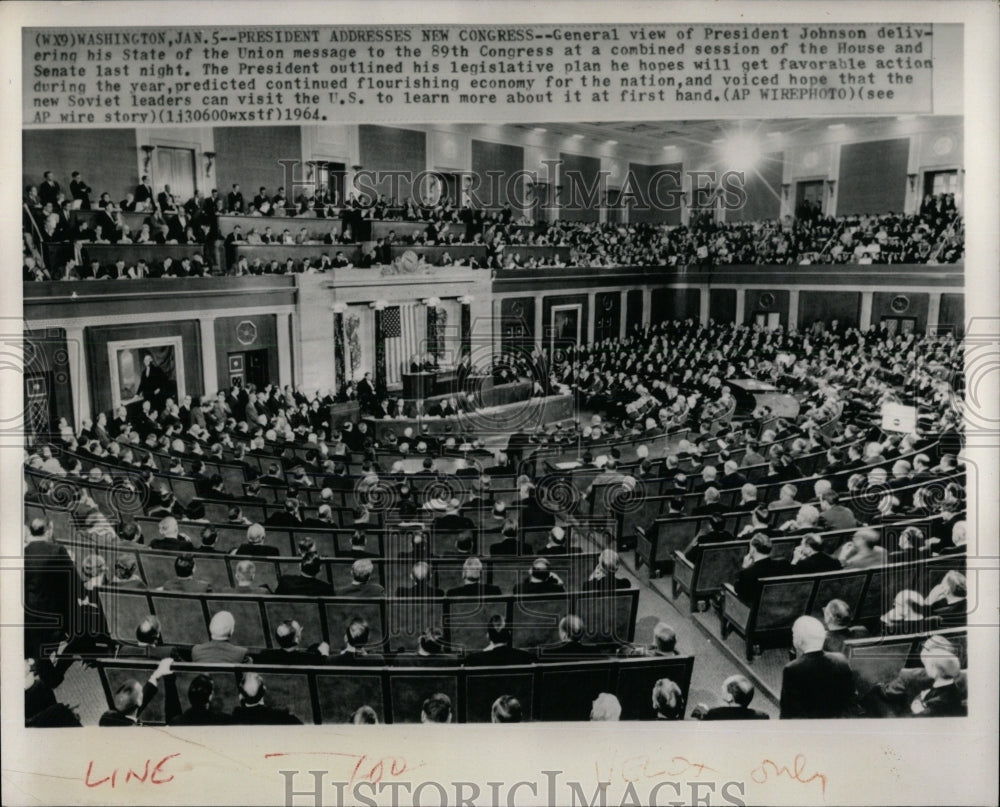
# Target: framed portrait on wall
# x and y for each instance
(146, 370)
(565, 324)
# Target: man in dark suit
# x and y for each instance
(260, 199)
(170, 537)
(833, 515)
(817, 684)
(290, 517)
(366, 392)
(499, 651)
(571, 633)
(200, 713)
(165, 200)
(361, 584)
(131, 699)
(359, 546)
(219, 648)
(837, 619)
(509, 545)
(758, 564)
(144, 192)
(288, 637)
(711, 505)
(48, 190)
(421, 584)
(307, 582)
(541, 580)
(473, 585)
(737, 693)
(252, 709)
(715, 534)
(604, 579)
(152, 383)
(79, 189)
(556, 544)
(937, 689)
(809, 557)
(234, 201)
(254, 544)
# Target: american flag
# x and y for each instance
(404, 328)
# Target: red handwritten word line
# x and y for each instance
(156, 776)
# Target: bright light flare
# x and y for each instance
(740, 151)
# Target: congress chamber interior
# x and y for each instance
(361, 424)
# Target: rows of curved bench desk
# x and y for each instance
(330, 694)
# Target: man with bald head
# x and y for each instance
(170, 537)
(254, 545)
(604, 578)
(421, 584)
(541, 580)
(472, 581)
(572, 632)
(863, 550)
(219, 648)
(253, 710)
(131, 698)
(817, 684)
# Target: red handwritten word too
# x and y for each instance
(149, 774)
(366, 768)
(797, 773)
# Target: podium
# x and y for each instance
(418, 385)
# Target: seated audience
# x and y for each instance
(498, 650)
(254, 710)
(506, 709)
(818, 684)
(219, 648)
(605, 708)
(737, 692)
(668, 700)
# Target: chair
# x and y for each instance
(246, 612)
(566, 692)
(409, 690)
(342, 692)
(124, 609)
(483, 687)
(182, 618)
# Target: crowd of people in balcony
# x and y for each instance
(933, 234)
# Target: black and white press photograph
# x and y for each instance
(382, 373)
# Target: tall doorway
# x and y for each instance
(175, 167)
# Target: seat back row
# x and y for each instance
(547, 692)
(156, 568)
(879, 659)
(868, 593)
(396, 623)
(642, 510)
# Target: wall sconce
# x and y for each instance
(148, 159)
(338, 308)
(209, 162)
(912, 178)
(785, 188)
